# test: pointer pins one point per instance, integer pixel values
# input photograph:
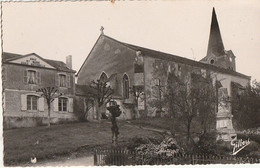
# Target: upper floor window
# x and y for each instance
(125, 86)
(63, 104)
(62, 80)
(32, 102)
(32, 77)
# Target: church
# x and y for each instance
(134, 67)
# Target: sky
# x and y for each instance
(54, 30)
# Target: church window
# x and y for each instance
(103, 77)
(125, 87)
(212, 61)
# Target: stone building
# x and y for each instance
(134, 67)
(22, 76)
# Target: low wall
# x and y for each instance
(21, 122)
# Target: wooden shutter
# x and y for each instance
(68, 81)
(38, 77)
(25, 78)
(23, 102)
(41, 104)
(56, 104)
(57, 81)
(4, 73)
(70, 105)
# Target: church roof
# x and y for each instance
(175, 58)
(59, 65)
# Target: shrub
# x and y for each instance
(149, 153)
(206, 144)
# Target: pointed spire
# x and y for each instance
(215, 45)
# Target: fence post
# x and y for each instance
(95, 157)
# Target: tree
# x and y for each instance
(137, 92)
(191, 103)
(49, 93)
(158, 102)
(115, 111)
(102, 92)
(246, 106)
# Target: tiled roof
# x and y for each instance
(59, 65)
(175, 58)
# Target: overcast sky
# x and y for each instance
(54, 30)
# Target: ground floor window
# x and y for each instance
(63, 104)
(32, 102)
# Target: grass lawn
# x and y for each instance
(154, 122)
(21, 144)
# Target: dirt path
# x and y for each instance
(81, 161)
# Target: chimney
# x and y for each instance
(69, 61)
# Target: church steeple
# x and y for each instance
(216, 54)
(215, 45)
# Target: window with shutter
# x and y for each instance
(55, 104)
(4, 76)
(57, 82)
(41, 104)
(38, 78)
(25, 79)
(70, 105)
(63, 104)
(31, 75)
(68, 81)
(32, 102)
(23, 102)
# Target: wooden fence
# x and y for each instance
(120, 157)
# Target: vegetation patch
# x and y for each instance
(63, 140)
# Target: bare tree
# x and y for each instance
(137, 92)
(114, 112)
(49, 93)
(102, 92)
(191, 98)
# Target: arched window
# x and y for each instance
(125, 86)
(103, 77)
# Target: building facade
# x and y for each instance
(22, 76)
(137, 67)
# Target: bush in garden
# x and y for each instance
(149, 153)
(206, 144)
